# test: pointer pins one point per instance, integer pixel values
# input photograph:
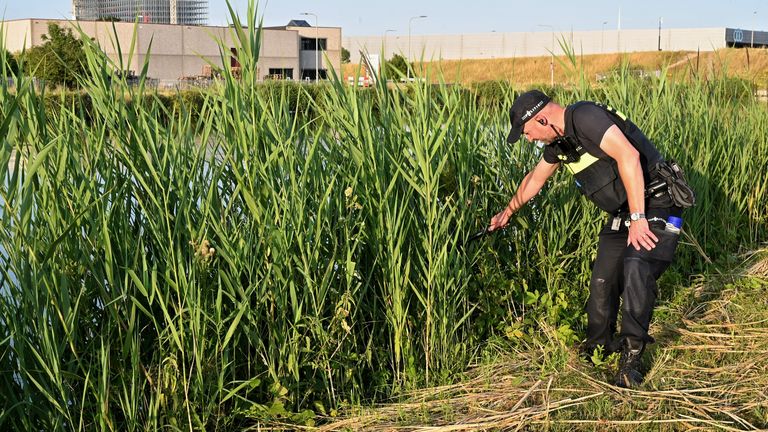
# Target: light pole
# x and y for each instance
(754, 20)
(602, 37)
(552, 56)
(618, 33)
(384, 44)
(317, 52)
(409, 42)
(660, 21)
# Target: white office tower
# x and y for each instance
(187, 12)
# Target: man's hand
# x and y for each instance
(500, 220)
(529, 187)
(640, 235)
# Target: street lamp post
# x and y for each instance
(754, 20)
(618, 33)
(409, 42)
(317, 52)
(602, 37)
(660, 21)
(384, 43)
(552, 56)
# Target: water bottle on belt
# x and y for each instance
(674, 224)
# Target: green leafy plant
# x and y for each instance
(59, 61)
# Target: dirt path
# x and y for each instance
(687, 59)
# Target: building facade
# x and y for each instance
(534, 44)
(181, 52)
(319, 47)
(186, 12)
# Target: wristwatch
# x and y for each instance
(636, 216)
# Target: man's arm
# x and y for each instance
(530, 186)
(616, 145)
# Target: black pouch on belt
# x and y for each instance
(673, 176)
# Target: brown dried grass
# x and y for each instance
(709, 371)
(759, 267)
(526, 71)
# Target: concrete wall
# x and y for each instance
(279, 50)
(175, 50)
(532, 44)
(17, 34)
(21, 33)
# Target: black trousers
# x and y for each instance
(624, 276)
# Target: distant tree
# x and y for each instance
(396, 66)
(344, 55)
(10, 65)
(108, 18)
(59, 60)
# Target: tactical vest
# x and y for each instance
(597, 175)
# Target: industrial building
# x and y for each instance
(182, 52)
(187, 12)
(534, 44)
(314, 42)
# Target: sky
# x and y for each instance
(393, 17)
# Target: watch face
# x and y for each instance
(634, 216)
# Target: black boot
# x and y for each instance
(629, 375)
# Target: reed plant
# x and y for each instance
(274, 255)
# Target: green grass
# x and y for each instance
(262, 255)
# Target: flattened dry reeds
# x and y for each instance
(711, 375)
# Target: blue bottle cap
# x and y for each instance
(675, 221)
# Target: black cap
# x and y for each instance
(523, 109)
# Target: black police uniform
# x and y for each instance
(619, 271)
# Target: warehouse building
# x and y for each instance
(534, 44)
(181, 52)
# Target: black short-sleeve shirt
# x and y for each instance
(590, 122)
